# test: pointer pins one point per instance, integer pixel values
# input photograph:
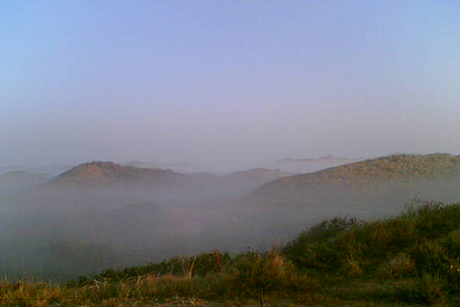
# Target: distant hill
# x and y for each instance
(53, 169)
(386, 179)
(396, 167)
(213, 186)
(109, 174)
(141, 164)
(21, 179)
(180, 167)
(325, 159)
(308, 165)
(257, 175)
(203, 176)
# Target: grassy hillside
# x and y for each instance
(392, 168)
(409, 260)
(368, 185)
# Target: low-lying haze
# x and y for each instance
(100, 215)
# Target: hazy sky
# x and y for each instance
(227, 82)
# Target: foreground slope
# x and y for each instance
(408, 260)
(411, 259)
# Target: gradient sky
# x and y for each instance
(227, 83)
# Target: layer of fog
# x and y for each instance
(60, 233)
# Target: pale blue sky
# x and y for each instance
(233, 83)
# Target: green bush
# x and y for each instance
(430, 257)
(436, 219)
(316, 247)
(426, 289)
(354, 248)
(255, 272)
(400, 266)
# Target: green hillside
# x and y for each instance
(409, 260)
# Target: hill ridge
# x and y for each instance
(393, 167)
(399, 172)
(107, 173)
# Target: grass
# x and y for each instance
(409, 260)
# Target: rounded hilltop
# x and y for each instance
(107, 174)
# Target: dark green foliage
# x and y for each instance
(315, 248)
(423, 244)
(426, 289)
(435, 220)
(334, 243)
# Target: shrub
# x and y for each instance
(426, 289)
(399, 266)
(256, 272)
(430, 257)
(353, 267)
(315, 247)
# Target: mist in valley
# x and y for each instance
(56, 232)
(50, 231)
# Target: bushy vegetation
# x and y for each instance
(412, 259)
(419, 251)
